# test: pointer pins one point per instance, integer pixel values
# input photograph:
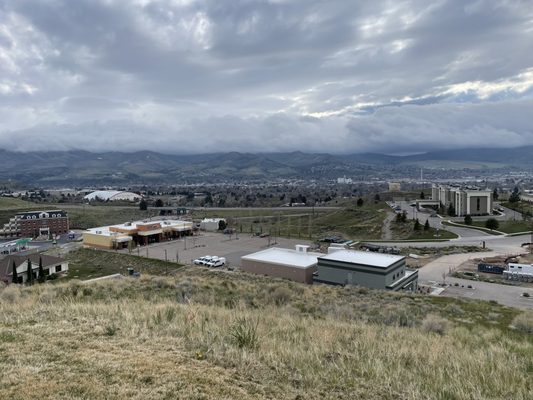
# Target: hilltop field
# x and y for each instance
(203, 334)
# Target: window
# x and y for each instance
(58, 268)
(478, 203)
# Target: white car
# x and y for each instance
(218, 262)
(202, 260)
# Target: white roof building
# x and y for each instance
(112, 195)
(295, 264)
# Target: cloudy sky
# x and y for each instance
(186, 76)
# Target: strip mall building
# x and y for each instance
(137, 233)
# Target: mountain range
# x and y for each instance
(78, 167)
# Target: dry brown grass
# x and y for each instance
(145, 339)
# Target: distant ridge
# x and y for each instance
(82, 167)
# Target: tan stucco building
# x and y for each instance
(137, 233)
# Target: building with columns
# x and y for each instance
(466, 201)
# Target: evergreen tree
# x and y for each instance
(492, 224)
(221, 225)
(376, 198)
(495, 194)
(159, 203)
(29, 271)
(360, 202)
(404, 216)
(451, 210)
(41, 278)
(426, 225)
(399, 217)
(422, 195)
(142, 205)
(515, 195)
(15, 278)
(468, 219)
(417, 225)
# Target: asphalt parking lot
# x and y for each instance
(214, 244)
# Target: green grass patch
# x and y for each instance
(509, 226)
(13, 203)
(87, 264)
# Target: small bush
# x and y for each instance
(524, 322)
(10, 294)
(525, 294)
(435, 324)
(111, 330)
(281, 295)
(244, 333)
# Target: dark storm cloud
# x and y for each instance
(264, 75)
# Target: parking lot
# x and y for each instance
(187, 249)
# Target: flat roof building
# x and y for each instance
(364, 268)
(296, 264)
(137, 232)
(211, 224)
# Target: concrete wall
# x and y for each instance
(354, 274)
(304, 275)
(98, 241)
(346, 277)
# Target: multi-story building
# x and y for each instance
(36, 223)
(465, 201)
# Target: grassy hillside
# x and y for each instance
(204, 334)
(13, 203)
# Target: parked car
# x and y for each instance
(218, 262)
(202, 260)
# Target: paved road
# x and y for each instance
(436, 222)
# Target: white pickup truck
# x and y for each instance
(216, 262)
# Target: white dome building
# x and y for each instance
(112, 195)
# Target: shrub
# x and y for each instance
(492, 224)
(524, 322)
(243, 333)
(525, 294)
(111, 330)
(281, 295)
(10, 294)
(435, 324)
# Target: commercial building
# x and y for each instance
(36, 223)
(210, 224)
(137, 233)
(297, 264)
(112, 195)
(395, 186)
(373, 270)
(51, 265)
(465, 201)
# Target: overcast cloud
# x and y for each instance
(186, 76)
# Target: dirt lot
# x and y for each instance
(213, 244)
